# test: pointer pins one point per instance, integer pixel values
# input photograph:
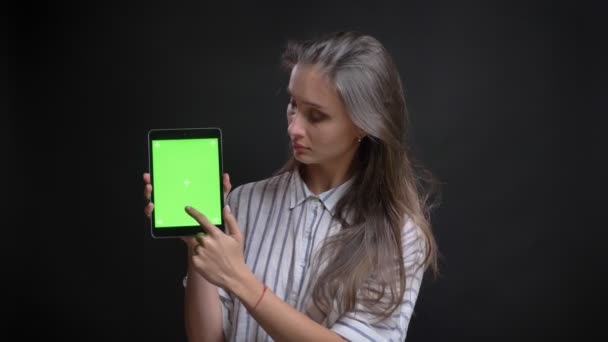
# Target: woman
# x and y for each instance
(333, 247)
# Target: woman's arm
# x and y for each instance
(219, 259)
(281, 321)
(203, 315)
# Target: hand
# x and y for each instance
(147, 193)
(217, 256)
(190, 241)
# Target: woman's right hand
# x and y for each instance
(190, 240)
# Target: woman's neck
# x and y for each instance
(320, 178)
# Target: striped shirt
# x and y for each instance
(283, 225)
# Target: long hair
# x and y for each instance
(366, 255)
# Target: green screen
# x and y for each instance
(185, 172)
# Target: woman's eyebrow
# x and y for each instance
(312, 104)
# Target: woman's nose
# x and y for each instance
(295, 127)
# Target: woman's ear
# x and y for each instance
(360, 133)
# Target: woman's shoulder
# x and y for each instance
(264, 187)
(412, 235)
(410, 228)
(414, 244)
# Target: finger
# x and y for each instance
(203, 221)
(198, 262)
(190, 242)
(147, 191)
(200, 238)
(196, 249)
(233, 227)
(188, 238)
(148, 209)
(146, 178)
(226, 183)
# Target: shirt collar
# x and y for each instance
(300, 192)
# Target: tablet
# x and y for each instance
(185, 169)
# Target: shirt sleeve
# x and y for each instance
(227, 303)
(361, 325)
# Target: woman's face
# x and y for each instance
(319, 126)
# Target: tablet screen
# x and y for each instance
(185, 169)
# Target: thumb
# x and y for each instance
(232, 225)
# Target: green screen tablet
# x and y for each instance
(185, 169)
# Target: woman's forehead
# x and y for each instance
(309, 84)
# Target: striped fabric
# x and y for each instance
(283, 225)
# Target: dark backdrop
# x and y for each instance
(489, 86)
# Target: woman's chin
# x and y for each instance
(299, 158)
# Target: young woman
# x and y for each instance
(335, 245)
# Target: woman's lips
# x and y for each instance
(299, 148)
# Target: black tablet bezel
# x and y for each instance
(183, 133)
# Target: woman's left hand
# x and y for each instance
(218, 256)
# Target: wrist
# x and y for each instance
(246, 287)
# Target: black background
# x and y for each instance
(491, 86)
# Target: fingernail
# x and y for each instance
(188, 207)
(228, 208)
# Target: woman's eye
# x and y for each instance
(316, 116)
(291, 108)
(292, 103)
